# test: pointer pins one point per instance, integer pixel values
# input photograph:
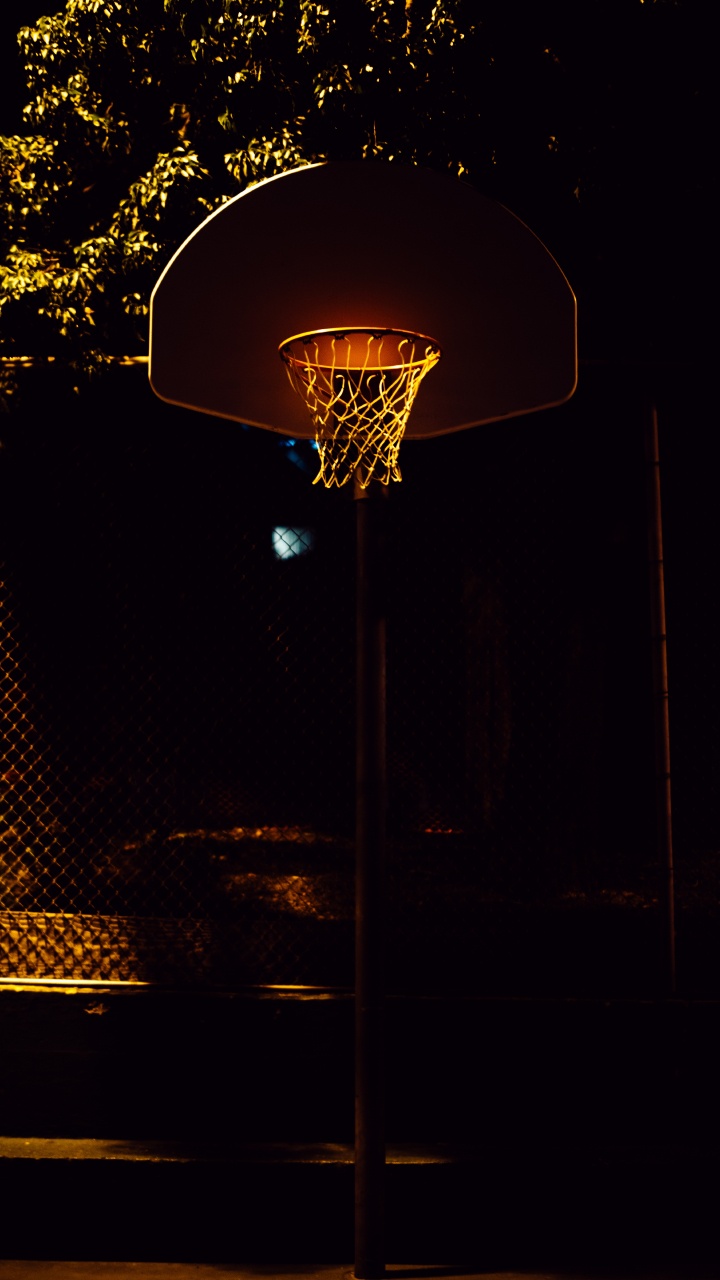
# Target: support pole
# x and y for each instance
(369, 884)
(663, 807)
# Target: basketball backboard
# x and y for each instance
(370, 245)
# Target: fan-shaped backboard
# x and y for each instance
(367, 245)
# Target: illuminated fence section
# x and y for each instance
(30, 837)
(177, 650)
(172, 698)
(61, 912)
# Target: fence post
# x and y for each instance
(658, 636)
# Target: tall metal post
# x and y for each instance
(663, 806)
(370, 884)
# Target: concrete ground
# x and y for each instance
(46, 1270)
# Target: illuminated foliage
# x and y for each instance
(143, 115)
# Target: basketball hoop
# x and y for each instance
(488, 286)
(359, 386)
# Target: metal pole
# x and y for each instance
(663, 806)
(369, 884)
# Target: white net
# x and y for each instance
(359, 386)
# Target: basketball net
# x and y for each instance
(359, 386)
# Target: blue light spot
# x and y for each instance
(289, 541)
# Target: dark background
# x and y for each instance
(193, 695)
(182, 684)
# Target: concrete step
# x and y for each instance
(276, 1064)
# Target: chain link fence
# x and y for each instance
(177, 692)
